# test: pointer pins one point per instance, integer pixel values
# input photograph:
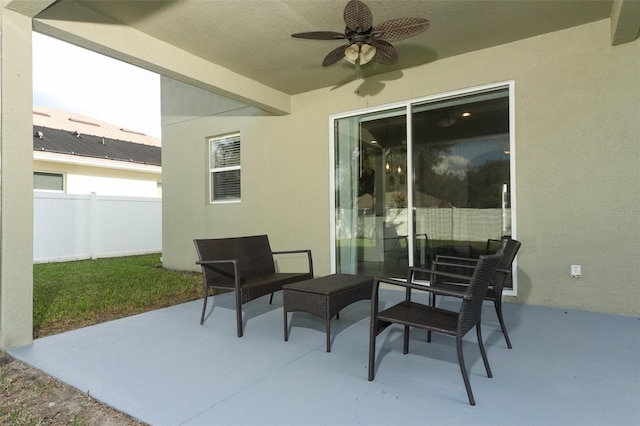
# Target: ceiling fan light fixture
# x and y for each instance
(351, 53)
(367, 52)
(361, 53)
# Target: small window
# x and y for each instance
(48, 181)
(224, 168)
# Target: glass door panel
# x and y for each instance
(461, 170)
(372, 234)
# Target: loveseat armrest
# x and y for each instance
(306, 251)
(210, 264)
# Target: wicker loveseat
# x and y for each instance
(245, 265)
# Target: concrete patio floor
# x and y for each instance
(566, 368)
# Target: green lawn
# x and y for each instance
(70, 295)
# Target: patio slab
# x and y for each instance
(164, 368)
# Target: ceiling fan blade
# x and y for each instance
(385, 52)
(358, 16)
(320, 35)
(398, 28)
(334, 56)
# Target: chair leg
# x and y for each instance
(482, 351)
(432, 302)
(498, 305)
(372, 348)
(204, 305)
(463, 369)
(271, 298)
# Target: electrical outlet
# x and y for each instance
(576, 270)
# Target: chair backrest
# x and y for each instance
(482, 277)
(253, 254)
(509, 252)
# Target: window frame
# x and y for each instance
(57, 174)
(212, 170)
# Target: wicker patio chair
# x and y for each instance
(466, 266)
(413, 314)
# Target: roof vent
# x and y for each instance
(76, 133)
(44, 114)
(40, 135)
(77, 120)
(133, 131)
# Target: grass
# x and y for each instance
(71, 295)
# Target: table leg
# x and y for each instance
(328, 334)
(286, 327)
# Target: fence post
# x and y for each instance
(93, 226)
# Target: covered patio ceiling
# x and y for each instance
(253, 38)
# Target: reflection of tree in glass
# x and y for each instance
(458, 183)
(485, 184)
(430, 177)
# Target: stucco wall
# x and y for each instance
(577, 158)
(16, 199)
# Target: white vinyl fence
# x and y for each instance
(72, 227)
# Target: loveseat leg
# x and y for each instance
(204, 306)
(239, 314)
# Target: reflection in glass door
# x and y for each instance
(420, 180)
(371, 193)
(461, 164)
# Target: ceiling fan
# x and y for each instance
(366, 43)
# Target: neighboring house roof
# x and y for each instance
(74, 143)
(85, 137)
(58, 119)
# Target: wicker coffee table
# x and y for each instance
(324, 297)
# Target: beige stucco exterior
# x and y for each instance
(16, 177)
(577, 156)
(577, 165)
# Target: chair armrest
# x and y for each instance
(454, 265)
(420, 287)
(306, 251)
(434, 272)
(455, 259)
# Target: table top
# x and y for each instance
(329, 284)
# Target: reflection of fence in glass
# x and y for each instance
(448, 224)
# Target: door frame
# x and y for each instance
(407, 105)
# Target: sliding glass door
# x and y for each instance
(428, 177)
(461, 163)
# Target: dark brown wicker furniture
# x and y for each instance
(412, 314)
(465, 266)
(245, 265)
(324, 297)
